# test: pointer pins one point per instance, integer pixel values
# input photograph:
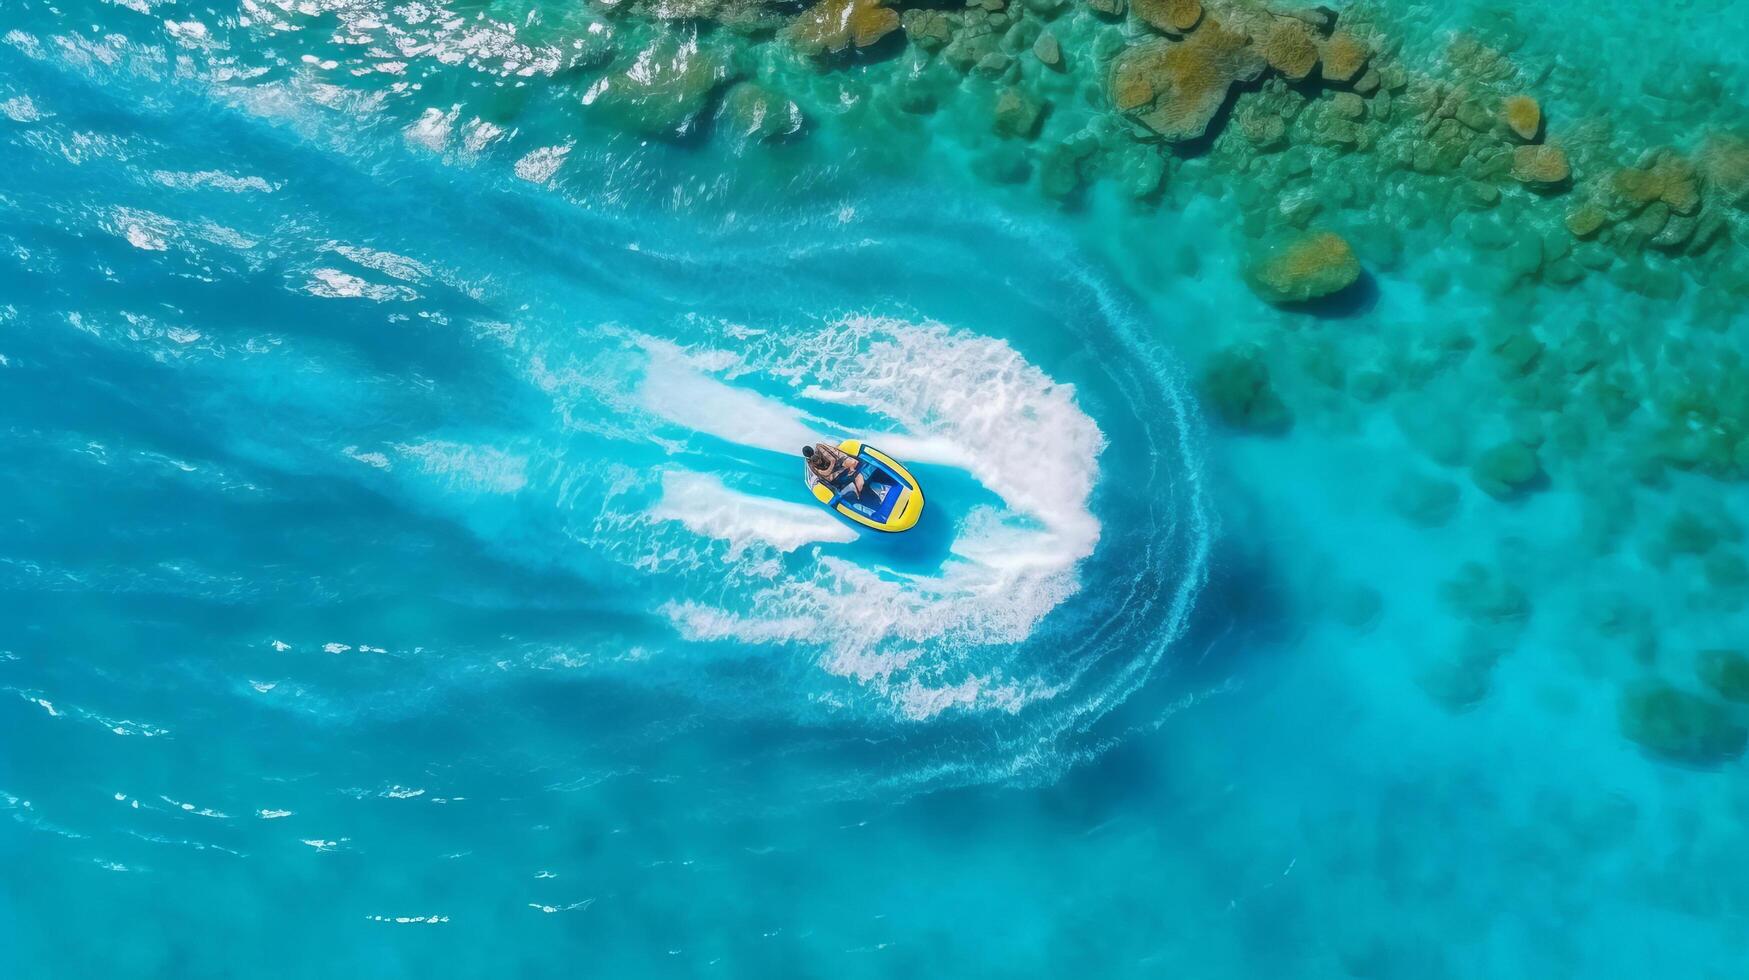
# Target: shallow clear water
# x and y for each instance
(405, 568)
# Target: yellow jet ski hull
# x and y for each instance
(896, 510)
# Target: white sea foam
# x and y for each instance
(479, 469)
(954, 399)
(21, 109)
(334, 284)
(388, 263)
(539, 165)
(679, 385)
(432, 129)
(217, 179)
(708, 508)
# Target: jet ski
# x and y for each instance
(891, 499)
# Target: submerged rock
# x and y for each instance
(1726, 672)
(1679, 726)
(1303, 267)
(1461, 680)
(1175, 88)
(1017, 113)
(1348, 105)
(1484, 597)
(1663, 178)
(665, 92)
(930, 30)
(750, 112)
(1726, 571)
(1264, 130)
(1425, 500)
(1506, 470)
(1540, 166)
(1523, 116)
(1357, 606)
(1047, 50)
(831, 26)
(1585, 220)
(1724, 162)
(1236, 384)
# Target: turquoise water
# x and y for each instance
(406, 571)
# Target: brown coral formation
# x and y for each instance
(831, 26)
(1289, 48)
(1724, 162)
(1523, 116)
(1170, 16)
(1542, 166)
(1175, 88)
(1304, 267)
(1585, 220)
(1344, 55)
(1662, 177)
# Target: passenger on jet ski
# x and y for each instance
(831, 465)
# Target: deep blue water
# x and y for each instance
(405, 571)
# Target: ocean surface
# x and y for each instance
(405, 569)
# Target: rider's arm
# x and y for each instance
(843, 463)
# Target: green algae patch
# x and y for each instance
(1679, 727)
(1304, 267)
(1236, 385)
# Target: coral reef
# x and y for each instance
(1302, 267)
(1343, 56)
(1542, 166)
(831, 26)
(1289, 48)
(1169, 16)
(1175, 88)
